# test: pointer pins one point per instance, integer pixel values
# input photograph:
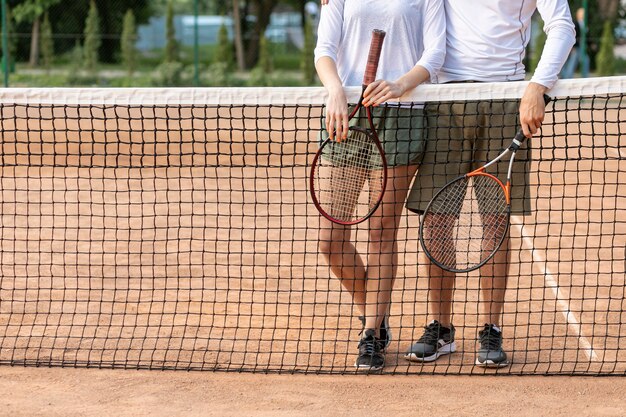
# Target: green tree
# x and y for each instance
(69, 18)
(605, 60)
(47, 43)
(31, 11)
(76, 59)
(252, 28)
(308, 68)
(214, 7)
(224, 52)
(171, 46)
(92, 39)
(261, 74)
(12, 39)
(266, 63)
(129, 37)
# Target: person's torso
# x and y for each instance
(486, 39)
(402, 21)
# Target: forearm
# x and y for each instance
(336, 119)
(561, 36)
(413, 78)
(328, 75)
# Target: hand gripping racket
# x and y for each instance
(348, 178)
(466, 222)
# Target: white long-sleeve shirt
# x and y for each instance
(415, 35)
(486, 39)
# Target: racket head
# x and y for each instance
(465, 223)
(348, 178)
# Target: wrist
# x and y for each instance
(536, 87)
(334, 88)
(403, 86)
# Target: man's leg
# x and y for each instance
(440, 290)
(493, 281)
(438, 336)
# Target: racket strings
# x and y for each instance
(466, 223)
(349, 177)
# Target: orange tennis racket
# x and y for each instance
(466, 221)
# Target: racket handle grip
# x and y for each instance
(519, 136)
(376, 46)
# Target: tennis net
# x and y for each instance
(173, 229)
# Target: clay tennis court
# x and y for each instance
(184, 238)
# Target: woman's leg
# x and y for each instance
(344, 260)
(383, 248)
(335, 244)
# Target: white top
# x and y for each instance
(486, 39)
(416, 34)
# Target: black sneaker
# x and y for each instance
(437, 340)
(371, 356)
(385, 330)
(490, 353)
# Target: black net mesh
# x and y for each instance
(178, 234)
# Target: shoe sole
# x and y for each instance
(368, 367)
(491, 364)
(444, 350)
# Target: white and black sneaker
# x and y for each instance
(437, 340)
(371, 356)
(490, 353)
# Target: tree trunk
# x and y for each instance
(34, 43)
(302, 13)
(608, 9)
(263, 11)
(241, 63)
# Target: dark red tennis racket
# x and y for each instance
(348, 178)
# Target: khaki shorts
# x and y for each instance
(400, 129)
(462, 137)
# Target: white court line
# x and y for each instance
(562, 302)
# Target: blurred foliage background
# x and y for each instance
(209, 42)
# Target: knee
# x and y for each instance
(383, 230)
(325, 247)
(329, 243)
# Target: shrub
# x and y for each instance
(169, 74)
(92, 39)
(129, 37)
(605, 60)
(46, 43)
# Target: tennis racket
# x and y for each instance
(348, 178)
(466, 222)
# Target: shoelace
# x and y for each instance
(489, 340)
(431, 334)
(369, 346)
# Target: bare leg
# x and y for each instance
(383, 254)
(344, 260)
(334, 240)
(440, 282)
(440, 289)
(493, 280)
